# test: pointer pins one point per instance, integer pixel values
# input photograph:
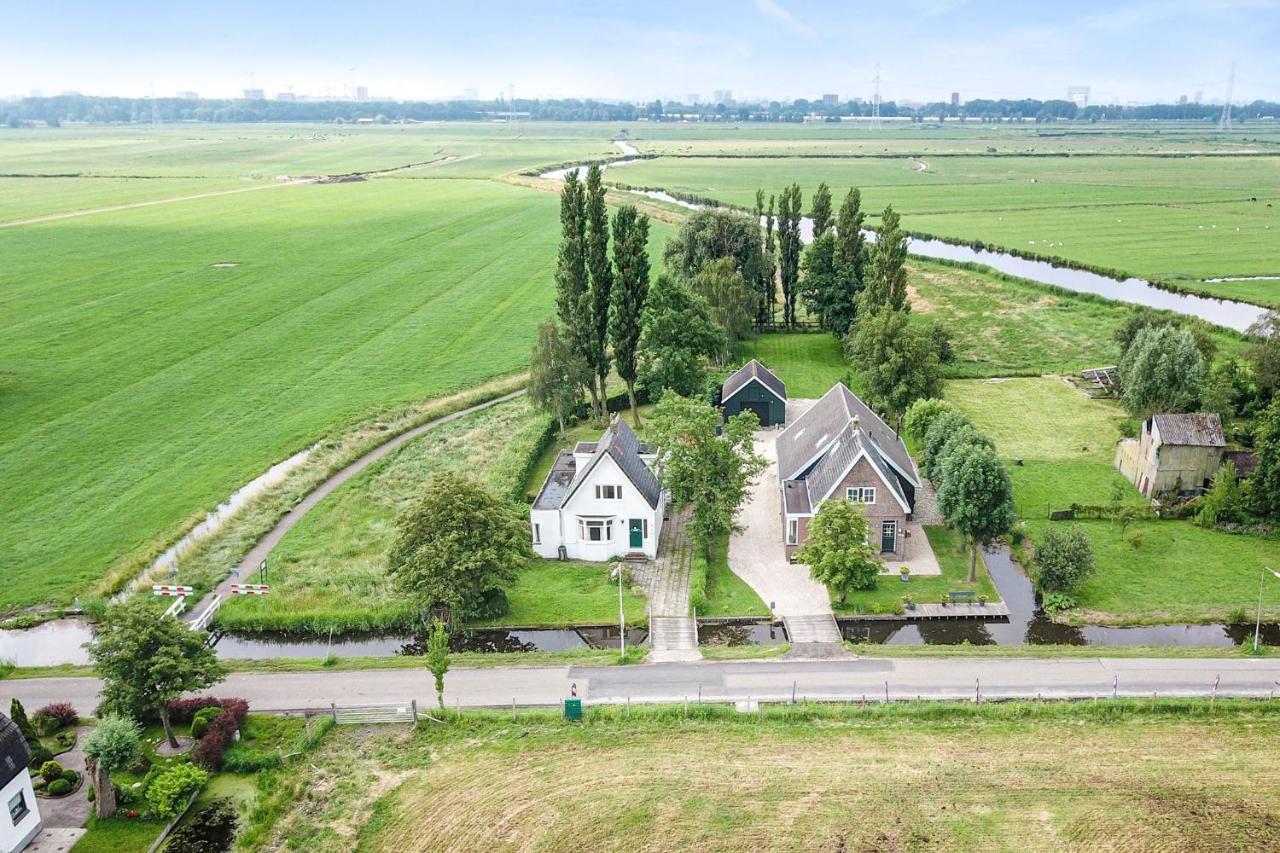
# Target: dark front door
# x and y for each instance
(888, 535)
(637, 533)
(761, 410)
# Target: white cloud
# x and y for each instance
(771, 9)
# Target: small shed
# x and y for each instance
(1174, 453)
(755, 388)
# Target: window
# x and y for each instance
(595, 530)
(793, 530)
(537, 534)
(18, 808)
(609, 493)
(861, 494)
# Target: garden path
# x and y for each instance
(673, 632)
(73, 810)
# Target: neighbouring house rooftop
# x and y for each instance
(15, 755)
(753, 370)
(618, 442)
(1200, 429)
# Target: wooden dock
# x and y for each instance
(926, 612)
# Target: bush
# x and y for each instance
(39, 754)
(184, 710)
(169, 792)
(66, 739)
(1056, 602)
(50, 770)
(210, 830)
(44, 724)
(1063, 559)
(63, 712)
(221, 733)
(59, 788)
(200, 722)
(71, 776)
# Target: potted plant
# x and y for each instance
(907, 603)
(946, 599)
(982, 599)
(905, 573)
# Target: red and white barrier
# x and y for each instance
(171, 590)
(250, 589)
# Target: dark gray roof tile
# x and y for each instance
(753, 370)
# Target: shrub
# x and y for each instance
(63, 712)
(1063, 560)
(50, 770)
(184, 710)
(1056, 602)
(169, 792)
(200, 722)
(44, 724)
(71, 776)
(59, 788)
(66, 739)
(210, 830)
(221, 733)
(38, 783)
(1135, 538)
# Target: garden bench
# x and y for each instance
(962, 595)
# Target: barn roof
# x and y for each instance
(753, 370)
(1199, 429)
(15, 755)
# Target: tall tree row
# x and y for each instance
(599, 283)
(789, 249)
(572, 290)
(886, 284)
(770, 255)
(630, 291)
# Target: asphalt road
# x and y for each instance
(926, 678)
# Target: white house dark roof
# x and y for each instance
(749, 371)
(15, 755)
(620, 443)
(809, 437)
(1202, 429)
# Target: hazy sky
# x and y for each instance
(1140, 51)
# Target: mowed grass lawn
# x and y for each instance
(947, 778)
(139, 386)
(1066, 442)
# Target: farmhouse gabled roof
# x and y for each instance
(620, 443)
(850, 445)
(753, 370)
(15, 755)
(806, 440)
(1201, 429)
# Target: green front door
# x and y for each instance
(637, 533)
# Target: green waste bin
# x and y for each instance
(573, 710)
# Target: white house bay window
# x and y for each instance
(595, 529)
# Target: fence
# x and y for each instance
(389, 712)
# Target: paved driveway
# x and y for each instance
(758, 556)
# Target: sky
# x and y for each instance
(1140, 52)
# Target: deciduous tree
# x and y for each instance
(111, 747)
(557, 374)
(886, 275)
(678, 340)
(1264, 482)
(573, 302)
(731, 304)
(789, 249)
(458, 547)
(894, 359)
(837, 550)
(630, 290)
(146, 661)
(704, 466)
(599, 280)
(1063, 559)
(976, 498)
(820, 212)
(438, 655)
(921, 415)
(1161, 371)
(770, 271)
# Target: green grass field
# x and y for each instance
(1179, 219)
(1118, 776)
(1179, 572)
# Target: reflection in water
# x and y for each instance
(741, 634)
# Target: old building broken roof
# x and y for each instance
(620, 443)
(807, 439)
(753, 370)
(1198, 429)
(15, 755)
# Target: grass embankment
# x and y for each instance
(716, 591)
(1117, 775)
(1180, 219)
(1066, 441)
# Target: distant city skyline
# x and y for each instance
(1153, 51)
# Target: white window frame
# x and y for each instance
(537, 533)
(608, 492)
(604, 525)
(861, 494)
(793, 530)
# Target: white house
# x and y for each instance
(20, 816)
(600, 501)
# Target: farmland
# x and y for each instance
(1019, 777)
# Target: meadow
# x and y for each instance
(1175, 219)
(1118, 776)
(1065, 442)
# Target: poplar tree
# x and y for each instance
(572, 304)
(851, 247)
(630, 291)
(886, 283)
(821, 211)
(599, 281)
(770, 265)
(789, 248)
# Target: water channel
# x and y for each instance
(1233, 315)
